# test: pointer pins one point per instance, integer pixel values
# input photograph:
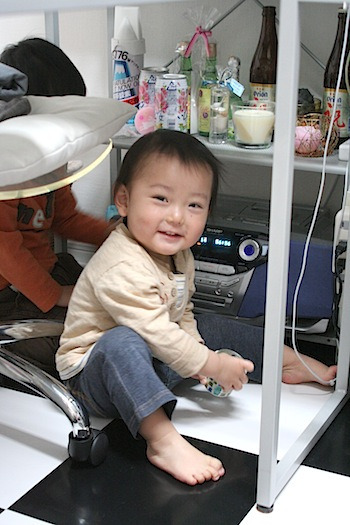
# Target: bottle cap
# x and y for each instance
(269, 10)
(234, 62)
(181, 48)
(127, 30)
(212, 49)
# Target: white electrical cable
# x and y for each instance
(342, 210)
(317, 206)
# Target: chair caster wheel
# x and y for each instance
(92, 449)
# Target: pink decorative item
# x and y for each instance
(204, 33)
(145, 120)
(307, 139)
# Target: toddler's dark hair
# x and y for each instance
(49, 70)
(176, 144)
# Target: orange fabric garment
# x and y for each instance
(26, 255)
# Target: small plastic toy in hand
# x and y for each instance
(212, 386)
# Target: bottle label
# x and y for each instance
(342, 113)
(126, 74)
(236, 87)
(189, 109)
(263, 92)
(204, 109)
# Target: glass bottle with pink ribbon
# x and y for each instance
(209, 78)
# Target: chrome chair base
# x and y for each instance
(85, 443)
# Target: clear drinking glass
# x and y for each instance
(219, 109)
(253, 124)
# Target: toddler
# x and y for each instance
(130, 333)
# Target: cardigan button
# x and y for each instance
(173, 292)
(171, 276)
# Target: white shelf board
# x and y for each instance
(23, 6)
(263, 157)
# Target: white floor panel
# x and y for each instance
(33, 441)
(14, 518)
(234, 421)
(34, 438)
(311, 496)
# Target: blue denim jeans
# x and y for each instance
(220, 331)
(122, 379)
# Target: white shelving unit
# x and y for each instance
(262, 157)
(23, 6)
(272, 477)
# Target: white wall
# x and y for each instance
(83, 36)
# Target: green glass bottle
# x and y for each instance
(186, 69)
(209, 78)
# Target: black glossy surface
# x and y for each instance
(127, 489)
(332, 452)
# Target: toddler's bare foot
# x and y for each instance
(173, 454)
(169, 451)
(294, 372)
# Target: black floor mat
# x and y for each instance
(127, 489)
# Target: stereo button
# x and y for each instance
(205, 266)
(231, 282)
(204, 280)
(226, 269)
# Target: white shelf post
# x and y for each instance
(52, 31)
(272, 477)
(279, 239)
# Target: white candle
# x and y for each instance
(219, 114)
(253, 126)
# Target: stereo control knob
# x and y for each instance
(249, 250)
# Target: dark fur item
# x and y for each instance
(14, 108)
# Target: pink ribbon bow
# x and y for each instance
(199, 32)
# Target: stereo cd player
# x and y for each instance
(231, 261)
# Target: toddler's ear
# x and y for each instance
(121, 200)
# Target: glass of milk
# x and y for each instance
(253, 123)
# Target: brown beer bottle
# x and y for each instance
(330, 81)
(264, 64)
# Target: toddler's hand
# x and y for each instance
(230, 372)
(233, 372)
(200, 378)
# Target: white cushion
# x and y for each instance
(58, 129)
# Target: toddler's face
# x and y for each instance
(167, 204)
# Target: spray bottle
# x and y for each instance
(128, 48)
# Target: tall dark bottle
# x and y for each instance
(330, 81)
(264, 64)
